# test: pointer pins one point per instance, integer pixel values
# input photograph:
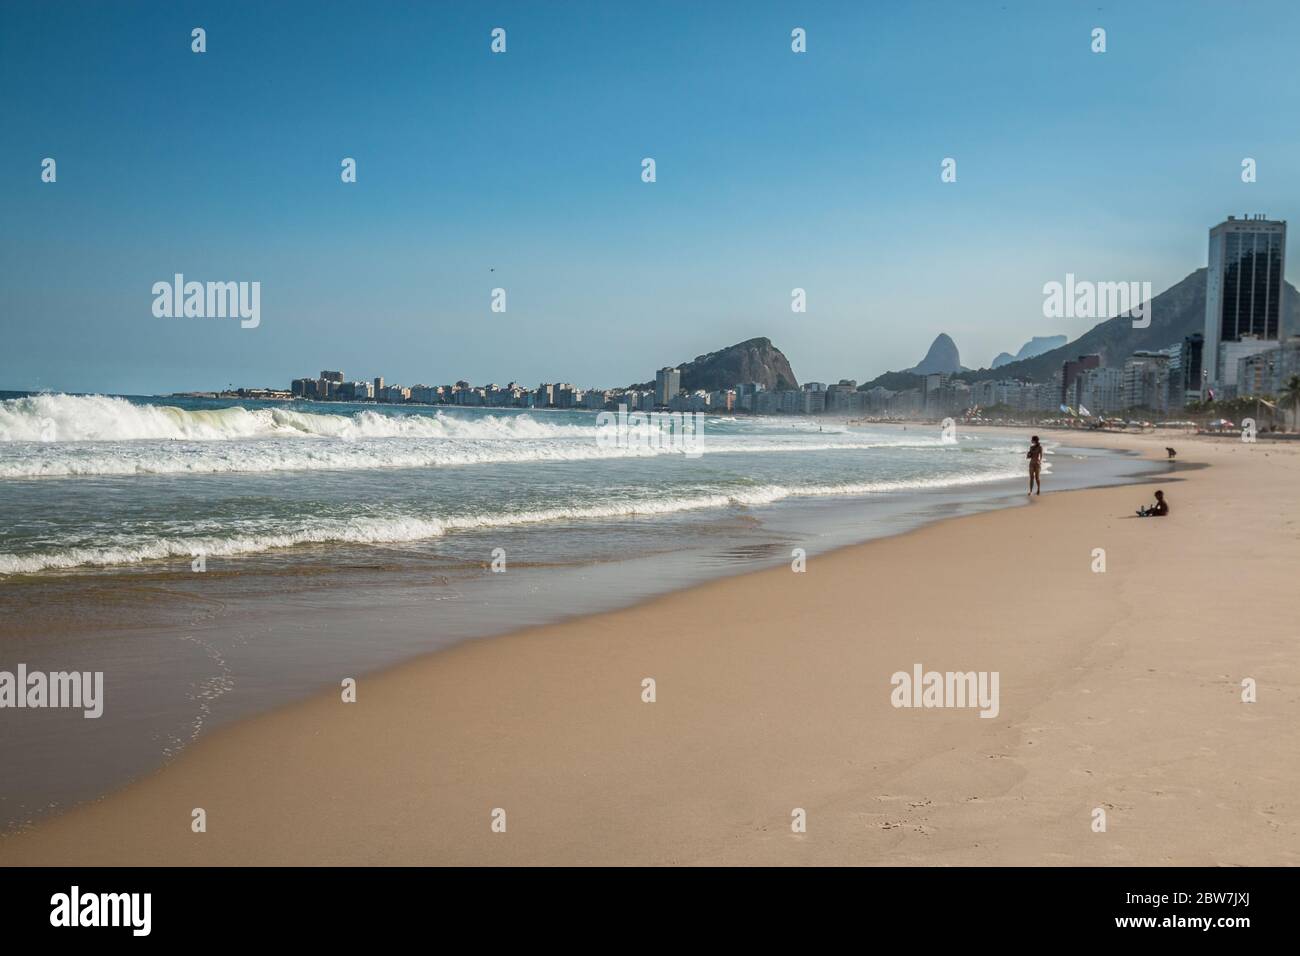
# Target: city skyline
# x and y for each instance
(522, 171)
(1246, 339)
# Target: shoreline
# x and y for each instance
(785, 705)
(186, 655)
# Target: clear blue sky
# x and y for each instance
(775, 170)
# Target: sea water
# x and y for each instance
(216, 558)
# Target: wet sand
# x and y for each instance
(1118, 690)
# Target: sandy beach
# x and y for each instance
(1119, 690)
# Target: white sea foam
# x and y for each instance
(150, 458)
(750, 462)
(47, 436)
(102, 418)
(399, 529)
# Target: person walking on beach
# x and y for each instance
(1035, 457)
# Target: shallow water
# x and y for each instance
(315, 573)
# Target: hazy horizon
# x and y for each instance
(503, 380)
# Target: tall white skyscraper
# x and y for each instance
(668, 382)
(1244, 289)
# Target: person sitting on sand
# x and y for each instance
(1035, 457)
(1158, 510)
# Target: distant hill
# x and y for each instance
(755, 360)
(942, 357)
(1175, 313)
(1034, 347)
(894, 381)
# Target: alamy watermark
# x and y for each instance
(76, 908)
(651, 432)
(1083, 299)
(209, 300)
(83, 690)
(946, 689)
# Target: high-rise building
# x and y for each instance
(1244, 288)
(1146, 381)
(1040, 396)
(1071, 369)
(813, 401)
(1230, 356)
(838, 398)
(668, 382)
(1101, 390)
(1191, 367)
(878, 399)
(909, 402)
(723, 400)
(1267, 373)
(745, 395)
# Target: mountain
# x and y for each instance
(942, 357)
(755, 360)
(1040, 344)
(894, 381)
(1034, 347)
(1175, 313)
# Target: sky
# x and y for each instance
(522, 170)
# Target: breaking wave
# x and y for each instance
(398, 529)
(50, 436)
(103, 418)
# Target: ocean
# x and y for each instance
(131, 481)
(337, 539)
